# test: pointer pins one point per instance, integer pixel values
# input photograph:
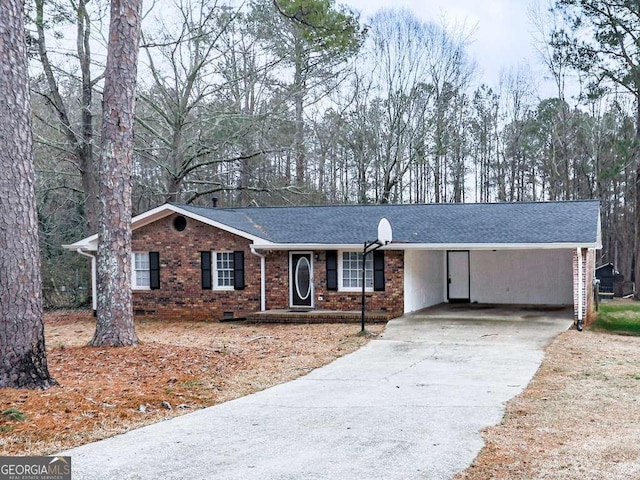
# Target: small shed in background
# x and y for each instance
(606, 274)
(612, 283)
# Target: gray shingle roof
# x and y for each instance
(472, 223)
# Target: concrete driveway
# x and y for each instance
(409, 405)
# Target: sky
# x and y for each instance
(502, 32)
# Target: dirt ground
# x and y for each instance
(178, 367)
(579, 418)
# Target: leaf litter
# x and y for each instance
(184, 365)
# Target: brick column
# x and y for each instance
(589, 274)
(587, 260)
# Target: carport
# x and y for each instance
(510, 276)
(535, 254)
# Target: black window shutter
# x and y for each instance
(332, 270)
(378, 271)
(154, 270)
(238, 270)
(205, 269)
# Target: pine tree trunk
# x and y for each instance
(115, 316)
(23, 361)
(298, 97)
(636, 243)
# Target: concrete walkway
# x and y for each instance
(409, 405)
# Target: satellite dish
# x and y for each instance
(384, 232)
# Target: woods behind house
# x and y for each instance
(302, 102)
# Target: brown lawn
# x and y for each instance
(579, 418)
(188, 365)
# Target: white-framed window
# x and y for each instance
(223, 271)
(141, 272)
(350, 272)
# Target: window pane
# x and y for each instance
(224, 269)
(352, 270)
(142, 276)
(141, 261)
(368, 272)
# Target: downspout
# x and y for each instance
(94, 297)
(263, 271)
(580, 293)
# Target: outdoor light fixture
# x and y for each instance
(385, 235)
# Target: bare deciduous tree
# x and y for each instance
(79, 134)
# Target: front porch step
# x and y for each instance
(318, 316)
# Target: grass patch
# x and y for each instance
(14, 414)
(191, 384)
(622, 317)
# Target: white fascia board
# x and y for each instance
(491, 246)
(427, 246)
(91, 243)
(305, 246)
(599, 239)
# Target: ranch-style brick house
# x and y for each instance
(221, 263)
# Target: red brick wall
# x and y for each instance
(391, 300)
(181, 294)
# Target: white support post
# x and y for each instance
(263, 280)
(94, 282)
(263, 283)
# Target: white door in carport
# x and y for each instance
(458, 276)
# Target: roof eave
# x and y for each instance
(221, 226)
(431, 246)
(91, 243)
(499, 246)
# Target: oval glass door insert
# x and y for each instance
(303, 278)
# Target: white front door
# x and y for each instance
(458, 276)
